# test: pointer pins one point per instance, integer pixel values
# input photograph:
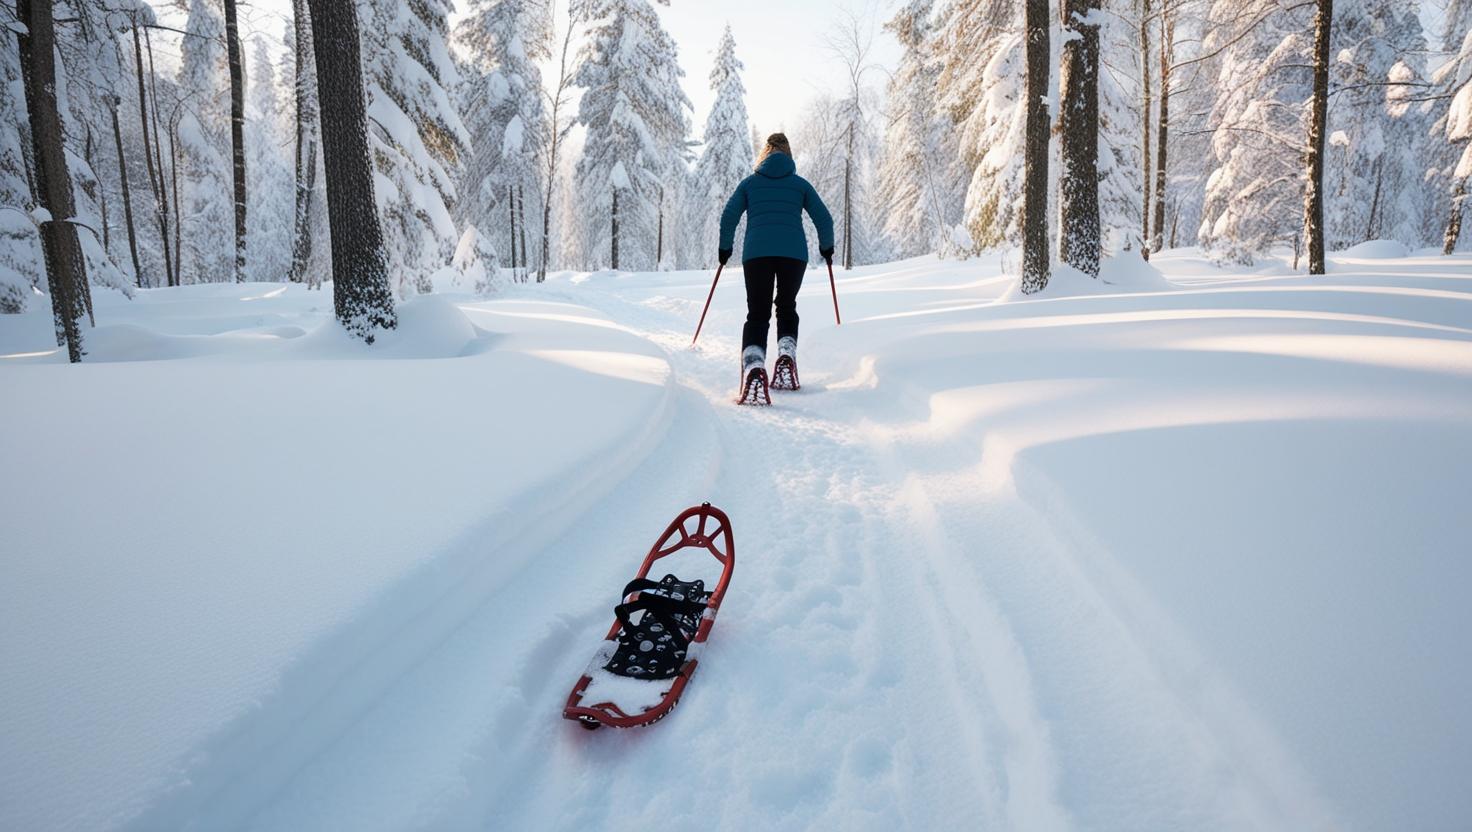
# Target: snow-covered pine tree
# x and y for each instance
(1375, 148)
(417, 138)
(207, 211)
(311, 250)
(726, 158)
(983, 98)
(87, 82)
(500, 95)
(637, 119)
(920, 181)
(1253, 196)
(269, 215)
(1454, 125)
(1455, 25)
(22, 269)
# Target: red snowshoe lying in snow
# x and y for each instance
(654, 646)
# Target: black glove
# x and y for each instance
(826, 254)
(724, 254)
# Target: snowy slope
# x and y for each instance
(1170, 555)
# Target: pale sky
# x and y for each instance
(781, 42)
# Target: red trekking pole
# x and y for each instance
(834, 286)
(707, 303)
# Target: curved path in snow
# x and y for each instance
(929, 626)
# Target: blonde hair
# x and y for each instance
(776, 143)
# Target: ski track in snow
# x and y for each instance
(918, 634)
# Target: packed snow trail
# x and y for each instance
(1072, 563)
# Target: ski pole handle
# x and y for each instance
(707, 304)
(834, 286)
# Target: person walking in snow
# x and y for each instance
(774, 255)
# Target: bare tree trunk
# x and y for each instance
(1313, 202)
(614, 264)
(306, 143)
(237, 134)
(1162, 124)
(360, 293)
(1078, 229)
(1035, 265)
(1145, 127)
(848, 200)
(521, 226)
(155, 177)
(177, 277)
(659, 234)
(117, 138)
(1371, 227)
(511, 212)
(172, 278)
(94, 189)
(556, 132)
(66, 271)
(1454, 222)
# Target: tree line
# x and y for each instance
(144, 155)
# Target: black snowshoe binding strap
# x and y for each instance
(668, 614)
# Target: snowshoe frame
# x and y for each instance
(712, 532)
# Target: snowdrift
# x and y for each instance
(1178, 548)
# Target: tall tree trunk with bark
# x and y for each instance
(511, 212)
(360, 293)
(1035, 265)
(1078, 230)
(237, 133)
(172, 278)
(117, 138)
(155, 176)
(1145, 178)
(521, 226)
(1313, 198)
(1454, 222)
(306, 143)
(614, 235)
(66, 271)
(1162, 124)
(848, 200)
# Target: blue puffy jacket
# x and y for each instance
(773, 199)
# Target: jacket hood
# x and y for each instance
(776, 166)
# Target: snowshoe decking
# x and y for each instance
(754, 388)
(784, 374)
(659, 631)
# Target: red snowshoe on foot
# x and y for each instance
(784, 374)
(651, 652)
(754, 388)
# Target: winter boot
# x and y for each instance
(754, 377)
(784, 372)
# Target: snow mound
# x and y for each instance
(1125, 273)
(429, 327)
(1377, 250)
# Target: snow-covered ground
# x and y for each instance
(1166, 555)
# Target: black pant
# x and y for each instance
(761, 273)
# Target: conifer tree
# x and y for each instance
(920, 176)
(418, 139)
(500, 95)
(726, 158)
(206, 192)
(637, 121)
